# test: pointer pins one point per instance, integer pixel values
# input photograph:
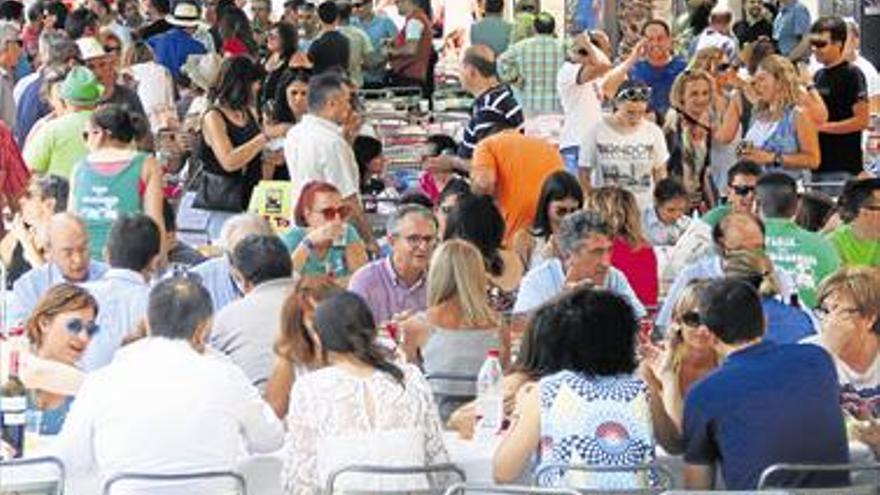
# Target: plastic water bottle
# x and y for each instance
(490, 397)
(872, 146)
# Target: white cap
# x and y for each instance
(90, 48)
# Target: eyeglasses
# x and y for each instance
(76, 325)
(691, 319)
(357, 5)
(112, 48)
(743, 190)
(818, 44)
(415, 240)
(635, 93)
(330, 213)
(823, 313)
(870, 207)
(723, 67)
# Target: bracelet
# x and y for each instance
(308, 244)
(777, 159)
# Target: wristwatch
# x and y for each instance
(777, 159)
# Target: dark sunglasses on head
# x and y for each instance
(330, 213)
(634, 93)
(76, 325)
(743, 190)
(691, 319)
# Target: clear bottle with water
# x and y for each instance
(490, 397)
(872, 146)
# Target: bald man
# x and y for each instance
(736, 232)
(68, 261)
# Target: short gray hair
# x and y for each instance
(391, 225)
(575, 227)
(57, 48)
(236, 228)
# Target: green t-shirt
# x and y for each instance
(58, 145)
(807, 256)
(333, 261)
(854, 251)
(714, 216)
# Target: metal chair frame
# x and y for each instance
(392, 471)
(204, 475)
(464, 488)
(34, 461)
(859, 488)
(664, 473)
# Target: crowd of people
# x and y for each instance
(693, 265)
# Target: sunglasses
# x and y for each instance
(112, 48)
(691, 319)
(76, 325)
(562, 211)
(743, 190)
(723, 67)
(636, 93)
(330, 213)
(871, 207)
(357, 5)
(818, 43)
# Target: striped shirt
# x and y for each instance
(495, 105)
(532, 65)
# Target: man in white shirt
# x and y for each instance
(315, 149)
(132, 250)
(246, 329)
(162, 406)
(579, 83)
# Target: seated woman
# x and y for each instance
(786, 324)
(59, 329)
(849, 314)
(560, 195)
(455, 189)
(665, 221)
(113, 178)
(631, 252)
(686, 355)
(458, 328)
(360, 409)
(595, 335)
(323, 242)
(296, 349)
(22, 248)
(476, 219)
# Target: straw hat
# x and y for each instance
(186, 13)
(90, 48)
(203, 70)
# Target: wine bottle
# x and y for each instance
(13, 408)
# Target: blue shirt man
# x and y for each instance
(30, 109)
(172, 47)
(767, 403)
(380, 28)
(660, 79)
(790, 25)
(217, 277)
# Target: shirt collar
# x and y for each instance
(396, 280)
(126, 275)
(274, 284)
(322, 122)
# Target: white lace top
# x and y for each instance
(337, 419)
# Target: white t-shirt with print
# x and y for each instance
(859, 392)
(625, 160)
(581, 103)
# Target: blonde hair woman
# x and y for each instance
(688, 354)
(631, 253)
(786, 324)
(780, 134)
(459, 327)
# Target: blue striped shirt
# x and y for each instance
(495, 105)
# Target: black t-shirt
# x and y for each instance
(330, 50)
(152, 29)
(749, 33)
(841, 87)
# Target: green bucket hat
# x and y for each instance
(81, 87)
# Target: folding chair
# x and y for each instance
(864, 478)
(649, 471)
(179, 483)
(465, 488)
(393, 471)
(448, 402)
(725, 492)
(33, 476)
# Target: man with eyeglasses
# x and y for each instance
(845, 93)
(396, 285)
(741, 180)
(625, 149)
(858, 240)
(10, 51)
(67, 261)
(584, 241)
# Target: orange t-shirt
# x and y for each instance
(521, 164)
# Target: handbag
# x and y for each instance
(218, 192)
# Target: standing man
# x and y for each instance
(10, 51)
(660, 66)
(790, 30)
(410, 54)
(104, 65)
(531, 66)
(842, 87)
(492, 30)
(766, 403)
(381, 30)
(331, 48)
(172, 47)
(852, 55)
(362, 54)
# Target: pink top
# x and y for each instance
(639, 266)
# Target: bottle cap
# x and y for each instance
(493, 353)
